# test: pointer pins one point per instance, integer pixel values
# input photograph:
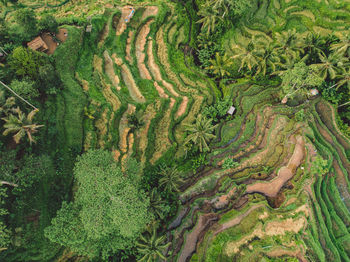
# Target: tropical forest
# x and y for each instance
(175, 130)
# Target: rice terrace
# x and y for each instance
(174, 130)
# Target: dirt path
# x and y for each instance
(110, 70)
(104, 35)
(189, 246)
(122, 24)
(129, 81)
(285, 173)
(140, 47)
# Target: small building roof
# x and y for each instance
(88, 28)
(314, 92)
(231, 110)
(38, 44)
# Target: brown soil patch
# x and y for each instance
(122, 24)
(162, 142)
(191, 240)
(150, 11)
(271, 229)
(291, 201)
(222, 201)
(124, 129)
(116, 154)
(170, 88)
(104, 35)
(110, 96)
(110, 70)
(152, 64)
(272, 187)
(62, 34)
(140, 47)
(129, 81)
(182, 107)
(130, 151)
(128, 56)
(160, 90)
(283, 252)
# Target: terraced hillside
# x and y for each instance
(134, 72)
(270, 203)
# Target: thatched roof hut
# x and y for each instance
(38, 45)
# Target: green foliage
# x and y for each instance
(25, 89)
(199, 161)
(26, 62)
(48, 23)
(229, 163)
(319, 166)
(121, 214)
(218, 110)
(170, 179)
(27, 21)
(296, 80)
(300, 115)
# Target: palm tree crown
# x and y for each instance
(151, 247)
(21, 125)
(170, 179)
(200, 133)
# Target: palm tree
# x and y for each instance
(156, 203)
(21, 125)
(344, 78)
(247, 55)
(170, 179)
(288, 44)
(329, 65)
(220, 65)
(268, 58)
(6, 105)
(210, 17)
(343, 47)
(151, 247)
(200, 133)
(312, 45)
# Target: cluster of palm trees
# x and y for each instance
(16, 121)
(262, 55)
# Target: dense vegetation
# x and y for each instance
(117, 144)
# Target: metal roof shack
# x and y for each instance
(38, 45)
(231, 110)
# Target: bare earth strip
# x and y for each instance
(110, 70)
(129, 81)
(272, 187)
(140, 47)
(121, 24)
(124, 129)
(182, 107)
(160, 90)
(150, 11)
(162, 142)
(101, 125)
(128, 56)
(191, 239)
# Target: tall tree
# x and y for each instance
(210, 17)
(220, 65)
(151, 246)
(330, 65)
(288, 44)
(200, 133)
(109, 210)
(247, 55)
(299, 78)
(343, 46)
(268, 58)
(21, 125)
(170, 179)
(313, 47)
(26, 19)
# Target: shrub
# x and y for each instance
(229, 163)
